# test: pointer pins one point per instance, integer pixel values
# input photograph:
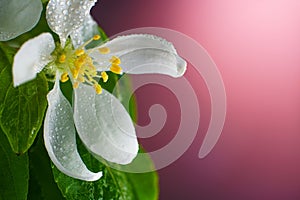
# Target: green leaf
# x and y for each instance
(113, 184)
(22, 109)
(13, 173)
(145, 185)
(18, 17)
(41, 183)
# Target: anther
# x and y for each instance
(64, 77)
(96, 37)
(75, 73)
(104, 76)
(116, 69)
(97, 88)
(104, 50)
(79, 52)
(62, 58)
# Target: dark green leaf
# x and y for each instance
(13, 173)
(41, 184)
(22, 108)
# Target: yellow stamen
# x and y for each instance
(97, 88)
(96, 37)
(104, 76)
(62, 58)
(75, 85)
(79, 66)
(64, 77)
(75, 73)
(115, 60)
(79, 52)
(104, 50)
(116, 69)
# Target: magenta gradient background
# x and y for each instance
(256, 46)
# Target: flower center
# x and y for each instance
(78, 65)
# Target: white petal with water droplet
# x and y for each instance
(153, 61)
(142, 53)
(87, 31)
(104, 125)
(123, 44)
(65, 16)
(60, 140)
(32, 58)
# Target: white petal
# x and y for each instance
(153, 61)
(32, 58)
(18, 17)
(85, 32)
(65, 16)
(60, 140)
(104, 125)
(123, 44)
(142, 53)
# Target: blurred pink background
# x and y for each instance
(256, 46)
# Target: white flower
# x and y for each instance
(102, 123)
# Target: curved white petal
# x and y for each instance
(60, 139)
(88, 29)
(104, 125)
(18, 17)
(65, 16)
(142, 53)
(123, 44)
(153, 61)
(32, 58)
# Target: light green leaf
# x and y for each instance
(22, 108)
(18, 17)
(145, 185)
(13, 173)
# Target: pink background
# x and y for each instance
(256, 46)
